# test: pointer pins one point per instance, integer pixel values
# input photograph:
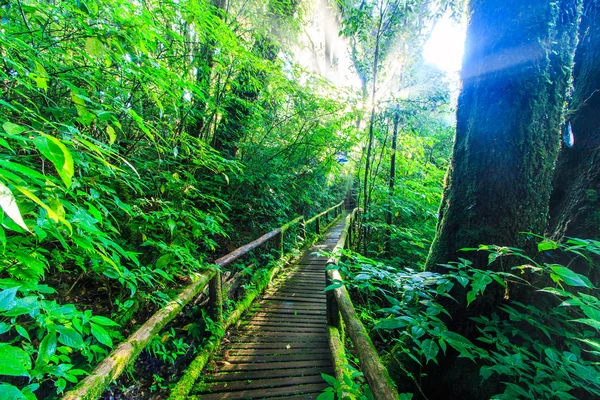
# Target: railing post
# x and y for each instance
(302, 229)
(349, 237)
(333, 314)
(318, 226)
(279, 243)
(215, 292)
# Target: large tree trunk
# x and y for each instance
(515, 76)
(575, 200)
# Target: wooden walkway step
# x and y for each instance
(281, 348)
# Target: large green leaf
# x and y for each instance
(101, 334)
(55, 151)
(69, 337)
(571, 278)
(430, 349)
(10, 392)
(9, 206)
(390, 324)
(47, 348)
(13, 129)
(103, 321)
(14, 361)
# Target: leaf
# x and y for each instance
(571, 278)
(55, 151)
(14, 361)
(547, 245)
(69, 337)
(4, 327)
(10, 392)
(335, 285)
(94, 46)
(13, 129)
(9, 206)
(326, 395)
(331, 381)
(462, 280)
(171, 224)
(7, 298)
(41, 76)
(430, 349)
(471, 295)
(103, 321)
(101, 335)
(50, 211)
(588, 321)
(112, 136)
(390, 324)
(47, 348)
(21, 331)
(163, 261)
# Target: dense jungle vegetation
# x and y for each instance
(142, 140)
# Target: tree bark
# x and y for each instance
(515, 75)
(515, 78)
(575, 200)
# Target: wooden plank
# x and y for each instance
(299, 295)
(300, 299)
(272, 352)
(307, 279)
(270, 392)
(276, 365)
(297, 306)
(290, 329)
(279, 358)
(275, 373)
(309, 273)
(298, 324)
(292, 305)
(274, 316)
(253, 334)
(282, 345)
(298, 291)
(289, 323)
(287, 327)
(287, 311)
(249, 384)
(303, 286)
(269, 339)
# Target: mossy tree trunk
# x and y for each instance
(515, 76)
(515, 79)
(575, 200)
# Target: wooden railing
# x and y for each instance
(113, 365)
(339, 303)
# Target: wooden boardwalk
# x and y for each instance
(281, 347)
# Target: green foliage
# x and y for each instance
(348, 387)
(110, 184)
(544, 349)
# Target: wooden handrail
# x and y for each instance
(339, 302)
(313, 219)
(112, 366)
(109, 369)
